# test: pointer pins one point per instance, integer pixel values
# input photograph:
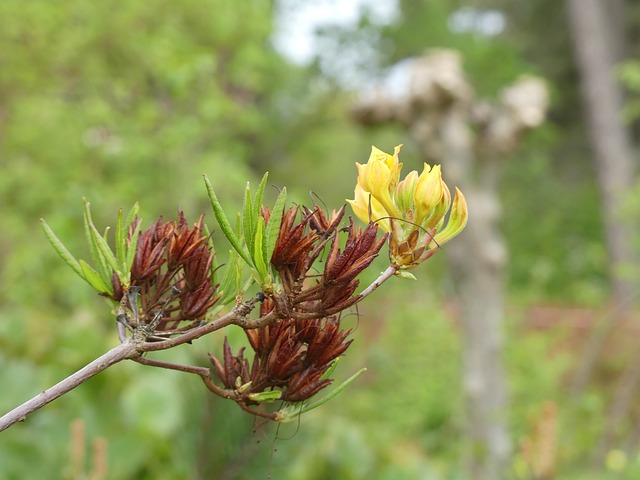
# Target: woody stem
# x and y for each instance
(115, 355)
(384, 276)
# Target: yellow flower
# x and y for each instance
(379, 177)
(457, 219)
(367, 209)
(405, 194)
(412, 210)
(429, 190)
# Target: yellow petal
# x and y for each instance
(380, 156)
(379, 185)
(457, 219)
(396, 152)
(396, 167)
(364, 203)
(404, 195)
(429, 191)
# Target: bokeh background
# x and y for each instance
(133, 101)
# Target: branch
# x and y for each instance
(384, 276)
(172, 366)
(131, 348)
(115, 355)
(237, 316)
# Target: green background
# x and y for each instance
(132, 101)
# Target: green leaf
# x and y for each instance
(331, 368)
(258, 254)
(267, 396)
(225, 226)
(103, 247)
(257, 201)
(94, 279)
(132, 215)
(405, 274)
(232, 279)
(61, 249)
(248, 222)
(236, 282)
(131, 253)
(289, 414)
(214, 263)
(98, 258)
(273, 228)
(121, 240)
(122, 231)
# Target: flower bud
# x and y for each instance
(404, 196)
(412, 210)
(429, 191)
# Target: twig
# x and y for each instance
(132, 348)
(115, 355)
(152, 362)
(384, 276)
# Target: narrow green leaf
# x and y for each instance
(258, 253)
(248, 221)
(287, 417)
(131, 253)
(230, 271)
(98, 259)
(130, 248)
(61, 249)
(257, 201)
(331, 369)
(257, 205)
(94, 279)
(273, 228)
(132, 215)
(266, 396)
(121, 241)
(214, 263)
(225, 226)
(238, 227)
(122, 231)
(102, 245)
(231, 281)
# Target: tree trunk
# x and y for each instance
(597, 47)
(603, 102)
(470, 138)
(478, 260)
(598, 44)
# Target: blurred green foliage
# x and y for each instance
(118, 104)
(134, 101)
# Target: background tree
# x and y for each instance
(440, 111)
(603, 102)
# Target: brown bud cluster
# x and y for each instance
(307, 294)
(172, 268)
(293, 353)
(290, 355)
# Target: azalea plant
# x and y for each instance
(166, 288)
